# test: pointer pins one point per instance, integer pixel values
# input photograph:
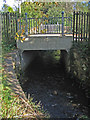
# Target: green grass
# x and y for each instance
(13, 105)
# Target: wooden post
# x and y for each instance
(26, 28)
(62, 23)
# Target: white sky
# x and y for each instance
(8, 2)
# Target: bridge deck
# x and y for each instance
(46, 42)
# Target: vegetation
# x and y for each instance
(37, 9)
(80, 56)
(14, 106)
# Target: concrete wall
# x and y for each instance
(45, 43)
(65, 60)
(24, 58)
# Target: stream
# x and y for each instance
(59, 96)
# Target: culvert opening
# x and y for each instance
(46, 60)
(46, 81)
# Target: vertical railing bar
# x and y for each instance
(26, 30)
(16, 21)
(4, 23)
(87, 26)
(53, 25)
(20, 25)
(62, 23)
(50, 25)
(76, 25)
(3, 30)
(38, 25)
(45, 25)
(29, 26)
(81, 26)
(33, 26)
(42, 25)
(84, 23)
(73, 24)
(7, 24)
(11, 23)
(57, 25)
(66, 23)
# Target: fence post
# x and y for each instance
(26, 28)
(62, 23)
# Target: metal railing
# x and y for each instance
(46, 25)
(80, 26)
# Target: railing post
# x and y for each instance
(18, 24)
(62, 23)
(73, 25)
(26, 28)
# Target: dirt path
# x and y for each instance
(50, 85)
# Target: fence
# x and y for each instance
(9, 25)
(12, 23)
(48, 25)
(80, 26)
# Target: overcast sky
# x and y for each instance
(9, 2)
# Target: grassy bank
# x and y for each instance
(13, 105)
